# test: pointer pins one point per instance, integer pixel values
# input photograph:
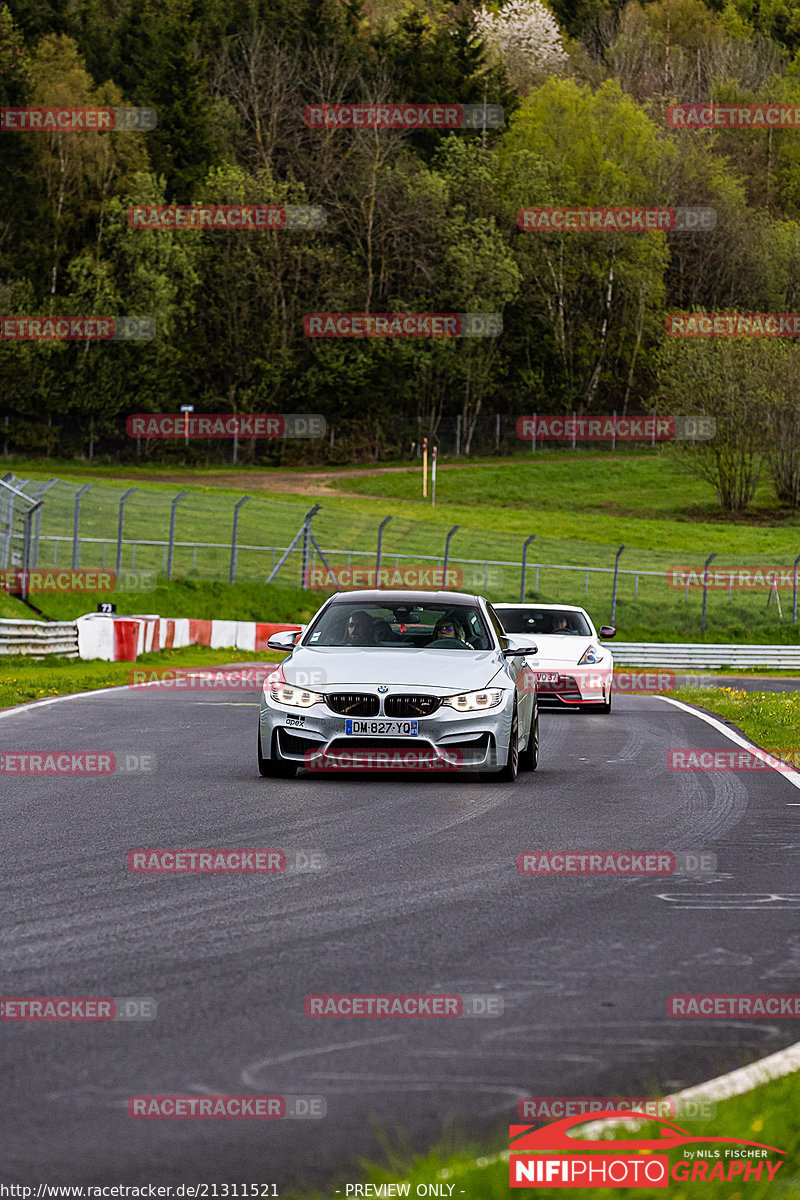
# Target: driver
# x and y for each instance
(446, 630)
(360, 631)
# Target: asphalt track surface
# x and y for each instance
(421, 894)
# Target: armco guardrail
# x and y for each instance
(39, 637)
(687, 654)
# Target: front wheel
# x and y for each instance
(529, 758)
(275, 767)
(509, 772)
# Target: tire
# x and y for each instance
(606, 708)
(275, 767)
(509, 772)
(529, 758)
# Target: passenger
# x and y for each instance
(383, 631)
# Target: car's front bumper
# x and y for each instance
(315, 738)
(575, 685)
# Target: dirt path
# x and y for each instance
(306, 483)
(317, 482)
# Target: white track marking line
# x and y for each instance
(724, 1087)
(118, 687)
(19, 708)
(792, 776)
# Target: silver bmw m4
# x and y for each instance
(400, 680)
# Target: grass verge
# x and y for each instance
(205, 599)
(770, 719)
(23, 680)
(764, 1115)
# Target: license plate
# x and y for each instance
(382, 728)
(548, 677)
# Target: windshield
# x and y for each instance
(543, 620)
(400, 626)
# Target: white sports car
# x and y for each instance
(400, 680)
(573, 669)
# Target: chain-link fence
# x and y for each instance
(215, 534)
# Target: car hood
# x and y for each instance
(553, 647)
(436, 672)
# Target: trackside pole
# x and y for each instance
(616, 577)
(705, 591)
(525, 567)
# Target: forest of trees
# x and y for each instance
(416, 221)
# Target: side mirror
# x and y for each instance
(607, 631)
(285, 640)
(513, 651)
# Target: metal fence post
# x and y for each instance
(120, 525)
(312, 512)
(7, 549)
(234, 552)
(446, 556)
(616, 576)
(179, 496)
(26, 548)
(35, 543)
(525, 567)
(705, 590)
(76, 546)
(381, 528)
(794, 593)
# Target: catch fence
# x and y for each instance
(220, 535)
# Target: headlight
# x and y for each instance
(282, 692)
(590, 655)
(473, 701)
